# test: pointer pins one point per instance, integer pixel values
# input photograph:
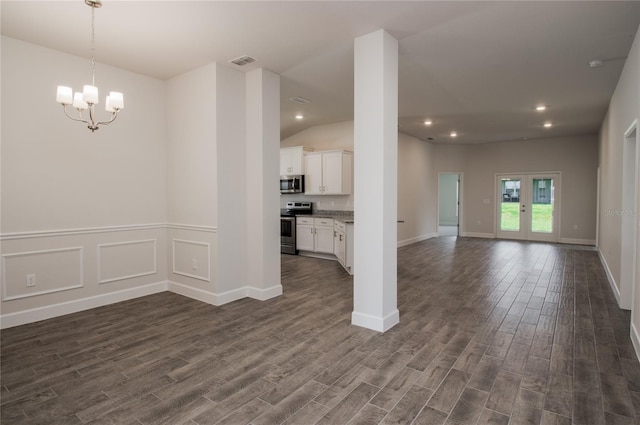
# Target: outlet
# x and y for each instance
(194, 264)
(575, 227)
(31, 280)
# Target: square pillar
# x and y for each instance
(263, 197)
(375, 181)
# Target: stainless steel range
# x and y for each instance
(288, 225)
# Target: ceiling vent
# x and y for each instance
(299, 99)
(242, 60)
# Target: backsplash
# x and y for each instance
(321, 202)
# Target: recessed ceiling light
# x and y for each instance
(428, 122)
(596, 63)
(541, 108)
(299, 116)
(453, 134)
(548, 124)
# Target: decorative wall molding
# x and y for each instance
(79, 231)
(5, 257)
(210, 229)
(47, 312)
(410, 241)
(101, 247)
(610, 279)
(175, 270)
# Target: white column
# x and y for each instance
(375, 185)
(230, 124)
(263, 196)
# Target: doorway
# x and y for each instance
(528, 206)
(449, 185)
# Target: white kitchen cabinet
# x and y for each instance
(304, 234)
(328, 173)
(343, 244)
(314, 234)
(324, 235)
(339, 242)
(292, 160)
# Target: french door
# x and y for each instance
(528, 206)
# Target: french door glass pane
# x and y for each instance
(510, 204)
(542, 205)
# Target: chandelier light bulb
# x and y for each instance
(90, 94)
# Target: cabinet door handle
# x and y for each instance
(340, 238)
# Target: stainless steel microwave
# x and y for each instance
(292, 184)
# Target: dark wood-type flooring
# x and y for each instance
(491, 332)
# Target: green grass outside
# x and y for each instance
(542, 217)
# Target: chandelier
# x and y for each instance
(88, 98)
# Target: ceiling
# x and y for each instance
(478, 68)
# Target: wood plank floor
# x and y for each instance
(491, 332)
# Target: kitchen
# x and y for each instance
(306, 228)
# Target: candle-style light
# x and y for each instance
(88, 98)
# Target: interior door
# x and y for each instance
(528, 206)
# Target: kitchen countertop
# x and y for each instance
(341, 216)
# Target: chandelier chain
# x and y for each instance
(93, 47)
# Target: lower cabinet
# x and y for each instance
(343, 244)
(324, 236)
(314, 234)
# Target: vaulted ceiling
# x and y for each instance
(478, 68)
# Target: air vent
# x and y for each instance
(299, 99)
(242, 60)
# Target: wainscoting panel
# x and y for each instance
(126, 260)
(51, 270)
(192, 259)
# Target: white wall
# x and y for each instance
(83, 211)
(575, 157)
(416, 190)
(192, 176)
(415, 178)
(137, 207)
(624, 109)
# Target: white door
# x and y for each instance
(528, 206)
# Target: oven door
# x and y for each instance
(288, 235)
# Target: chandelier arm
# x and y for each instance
(114, 115)
(64, 108)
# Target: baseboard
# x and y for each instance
(573, 241)
(410, 241)
(478, 235)
(47, 312)
(207, 296)
(635, 340)
(380, 324)
(225, 297)
(610, 279)
(264, 294)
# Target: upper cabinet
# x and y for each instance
(328, 173)
(292, 160)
